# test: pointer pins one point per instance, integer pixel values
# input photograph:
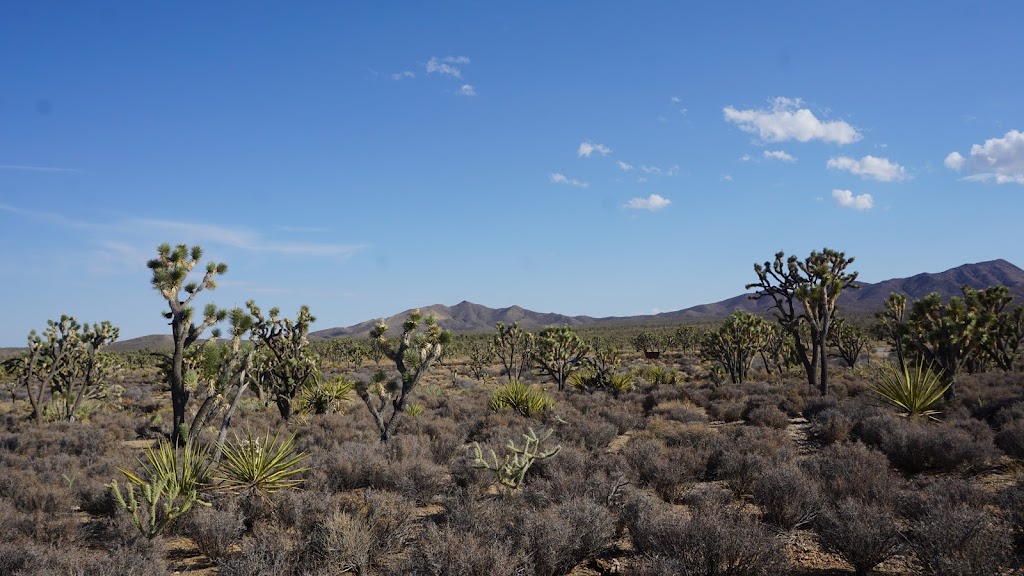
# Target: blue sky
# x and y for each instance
(600, 158)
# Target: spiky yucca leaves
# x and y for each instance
(527, 400)
(511, 470)
(319, 397)
(170, 484)
(913, 390)
(658, 375)
(260, 465)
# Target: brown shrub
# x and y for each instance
(864, 534)
(788, 497)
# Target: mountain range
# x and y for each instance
(467, 317)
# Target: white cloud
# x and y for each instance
(779, 155)
(559, 178)
(676, 99)
(999, 159)
(870, 167)
(846, 199)
(467, 90)
(785, 120)
(446, 65)
(727, 178)
(587, 148)
(403, 75)
(242, 238)
(657, 171)
(625, 166)
(653, 203)
(746, 158)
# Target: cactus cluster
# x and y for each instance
(511, 470)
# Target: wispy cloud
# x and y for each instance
(588, 148)
(559, 178)
(467, 90)
(244, 238)
(301, 228)
(847, 199)
(727, 178)
(780, 155)
(1000, 160)
(448, 66)
(624, 166)
(652, 203)
(25, 168)
(786, 120)
(658, 171)
(403, 75)
(870, 167)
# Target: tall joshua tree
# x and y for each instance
(285, 363)
(170, 269)
(805, 293)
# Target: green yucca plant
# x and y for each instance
(526, 400)
(260, 466)
(170, 484)
(414, 409)
(324, 397)
(914, 390)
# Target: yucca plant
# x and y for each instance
(170, 484)
(914, 390)
(260, 466)
(323, 397)
(526, 400)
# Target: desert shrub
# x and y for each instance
(443, 551)
(917, 447)
(713, 541)
(959, 540)
(562, 536)
(740, 456)
(214, 530)
(364, 537)
(268, 551)
(725, 410)
(814, 406)
(1011, 502)
(788, 497)
(662, 468)
(863, 534)
(680, 411)
(925, 494)
(625, 415)
(1010, 438)
(852, 470)
(766, 415)
(831, 425)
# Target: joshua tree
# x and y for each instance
(848, 339)
(558, 352)
(513, 346)
(649, 343)
(170, 269)
(735, 345)
(412, 353)
(892, 325)
(64, 361)
(285, 363)
(815, 283)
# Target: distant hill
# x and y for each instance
(467, 317)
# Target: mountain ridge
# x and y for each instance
(469, 317)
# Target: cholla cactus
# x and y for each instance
(511, 470)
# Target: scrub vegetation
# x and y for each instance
(801, 442)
